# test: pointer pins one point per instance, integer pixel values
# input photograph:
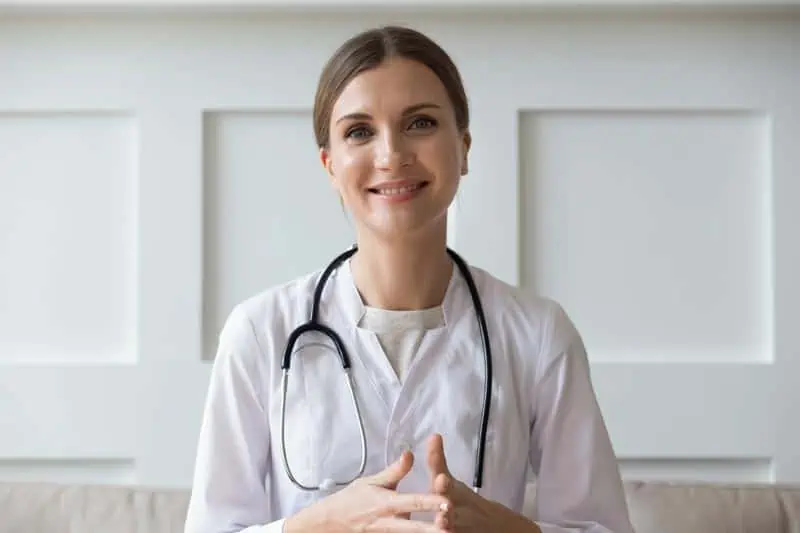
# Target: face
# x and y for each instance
(396, 155)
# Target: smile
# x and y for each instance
(394, 191)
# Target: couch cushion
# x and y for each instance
(51, 508)
(655, 508)
(706, 508)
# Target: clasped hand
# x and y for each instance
(468, 511)
(372, 505)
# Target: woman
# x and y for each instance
(392, 125)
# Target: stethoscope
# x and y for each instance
(314, 325)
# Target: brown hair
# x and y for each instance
(370, 49)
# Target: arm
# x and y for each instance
(578, 487)
(229, 493)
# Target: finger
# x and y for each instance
(402, 503)
(392, 474)
(437, 463)
(444, 520)
(455, 491)
(398, 525)
(454, 520)
(443, 484)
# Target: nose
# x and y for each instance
(393, 153)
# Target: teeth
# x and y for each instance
(399, 190)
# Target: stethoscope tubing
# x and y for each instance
(314, 325)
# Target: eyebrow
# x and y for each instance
(407, 111)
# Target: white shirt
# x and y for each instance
(544, 413)
(401, 332)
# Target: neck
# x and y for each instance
(404, 274)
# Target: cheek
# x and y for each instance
(352, 168)
(445, 156)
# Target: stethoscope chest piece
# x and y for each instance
(327, 485)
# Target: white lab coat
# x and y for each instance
(543, 414)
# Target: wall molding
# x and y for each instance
(367, 6)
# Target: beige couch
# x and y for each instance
(655, 508)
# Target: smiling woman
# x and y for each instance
(426, 331)
(395, 152)
(392, 124)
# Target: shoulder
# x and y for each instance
(534, 333)
(256, 326)
(536, 321)
(249, 343)
(275, 308)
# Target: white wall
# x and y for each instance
(154, 170)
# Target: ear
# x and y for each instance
(327, 164)
(467, 143)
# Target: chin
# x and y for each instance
(402, 228)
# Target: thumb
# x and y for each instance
(437, 462)
(392, 474)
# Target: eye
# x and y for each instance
(357, 133)
(423, 123)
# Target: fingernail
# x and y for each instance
(444, 507)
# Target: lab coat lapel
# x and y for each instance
(366, 353)
(345, 308)
(441, 344)
(443, 389)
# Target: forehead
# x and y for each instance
(390, 87)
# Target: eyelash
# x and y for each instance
(431, 123)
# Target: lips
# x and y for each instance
(397, 189)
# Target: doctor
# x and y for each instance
(392, 125)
